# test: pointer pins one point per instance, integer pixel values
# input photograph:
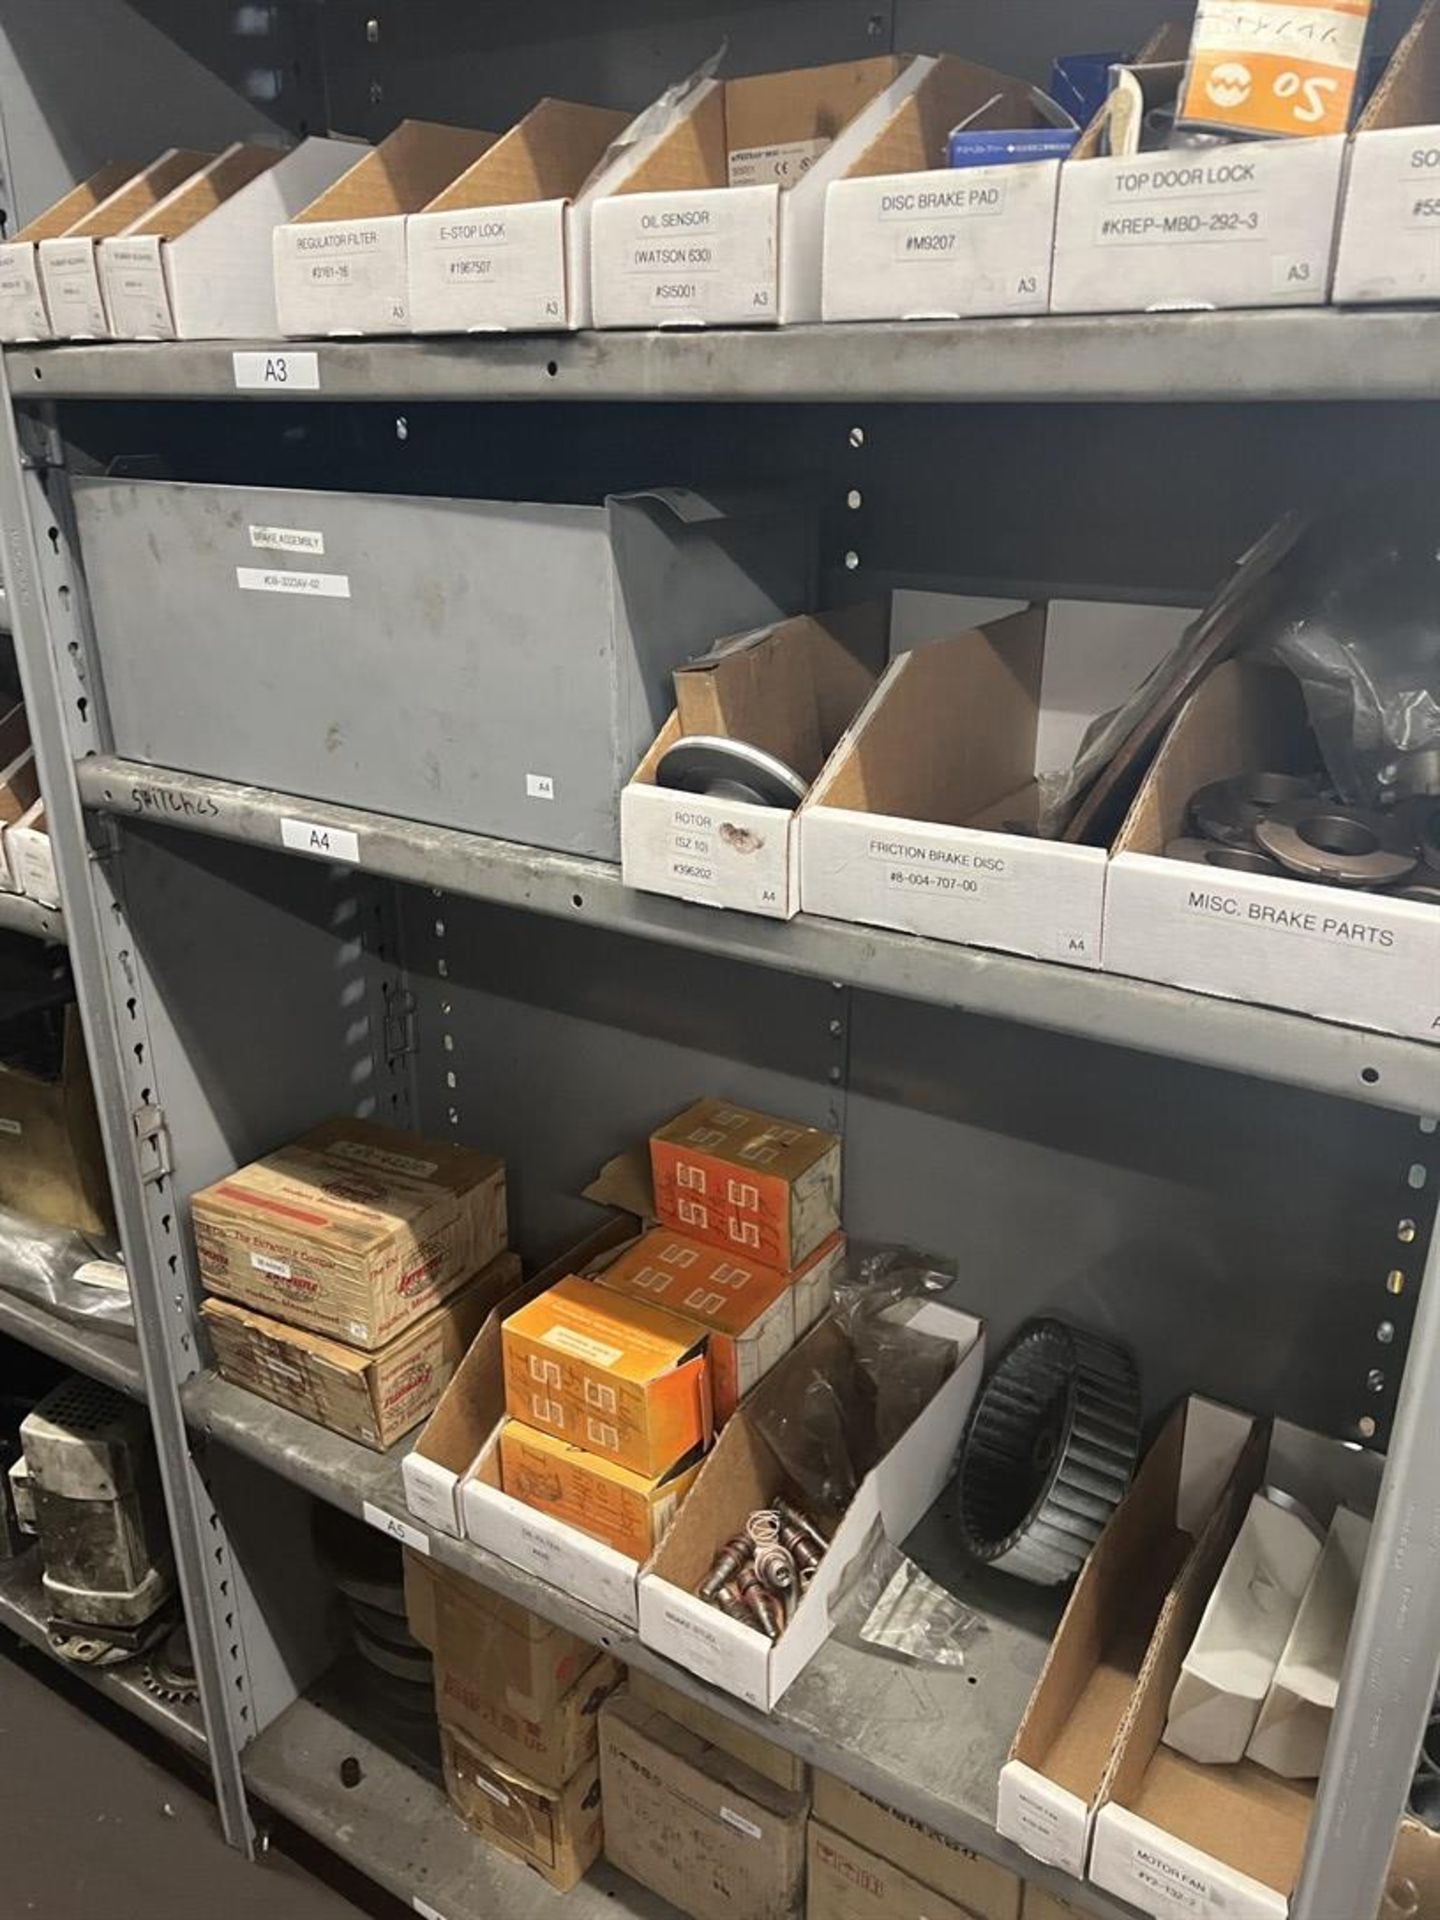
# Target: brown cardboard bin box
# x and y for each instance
(52, 1166)
(558, 1833)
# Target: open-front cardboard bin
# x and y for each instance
(197, 266)
(790, 689)
(52, 1166)
(1178, 1837)
(1341, 953)
(909, 238)
(23, 312)
(70, 262)
(1389, 245)
(1247, 223)
(340, 263)
(722, 223)
(745, 1472)
(1052, 1778)
(923, 818)
(505, 247)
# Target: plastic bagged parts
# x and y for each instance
(69, 1274)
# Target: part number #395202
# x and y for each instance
(277, 372)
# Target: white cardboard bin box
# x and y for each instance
(23, 312)
(790, 689)
(1165, 1817)
(1363, 959)
(723, 222)
(907, 825)
(908, 238)
(1246, 224)
(198, 265)
(505, 246)
(1389, 246)
(1053, 1776)
(742, 1472)
(70, 262)
(340, 263)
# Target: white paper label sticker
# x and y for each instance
(580, 1346)
(288, 539)
(739, 1822)
(11, 1126)
(358, 1331)
(425, 1910)
(489, 1786)
(287, 372)
(328, 843)
(400, 1530)
(539, 786)
(382, 1160)
(318, 586)
(277, 1269)
(780, 164)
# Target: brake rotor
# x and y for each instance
(1049, 1451)
(1210, 853)
(1228, 811)
(1346, 846)
(722, 769)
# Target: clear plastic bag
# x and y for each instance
(878, 1375)
(66, 1272)
(1360, 630)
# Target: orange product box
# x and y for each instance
(1275, 66)
(746, 1181)
(747, 1310)
(590, 1493)
(353, 1230)
(617, 1376)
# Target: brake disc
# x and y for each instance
(1228, 811)
(1209, 853)
(729, 770)
(1050, 1449)
(1346, 846)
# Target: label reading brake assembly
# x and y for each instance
(400, 1530)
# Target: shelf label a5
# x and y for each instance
(400, 1530)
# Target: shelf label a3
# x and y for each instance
(277, 372)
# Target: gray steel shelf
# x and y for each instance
(1226, 1034)
(929, 1741)
(20, 914)
(101, 1353)
(1319, 354)
(22, 1609)
(398, 1828)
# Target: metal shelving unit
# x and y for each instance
(22, 1610)
(1247, 1194)
(104, 1353)
(19, 914)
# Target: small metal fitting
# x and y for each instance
(766, 1611)
(734, 1555)
(1209, 853)
(1346, 846)
(728, 1600)
(1229, 811)
(776, 1568)
(794, 1517)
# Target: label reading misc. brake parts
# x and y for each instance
(1334, 925)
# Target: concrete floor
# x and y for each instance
(99, 1816)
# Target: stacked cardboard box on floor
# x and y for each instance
(518, 1701)
(867, 1860)
(352, 1270)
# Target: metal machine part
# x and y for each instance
(170, 1670)
(729, 770)
(1210, 853)
(1050, 1449)
(1229, 811)
(1417, 823)
(412, 1662)
(98, 1513)
(22, 1494)
(1346, 846)
(1417, 775)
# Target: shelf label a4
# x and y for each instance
(326, 843)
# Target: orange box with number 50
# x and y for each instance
(1275, 67)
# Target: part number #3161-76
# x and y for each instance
(277, 372)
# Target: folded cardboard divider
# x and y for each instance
(896, 1487)
(24, 314)
(1205, 1458)
(722, 224)
(505, 246)
(1389, 245)
(790, 690)
(909, 238)
(1364, 959)
(69, 262)
(1247, 223)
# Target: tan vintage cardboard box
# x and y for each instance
(694, 1824)
(370, 1397)
(847, 1882)
(557, 1833)
(353, 1230)
(608, 1502)
(717, 1729)
(524, 1662)
(1040, 1905)
(547, 1749)
(980, 1886)
(745, 1180)
(614, 1375)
